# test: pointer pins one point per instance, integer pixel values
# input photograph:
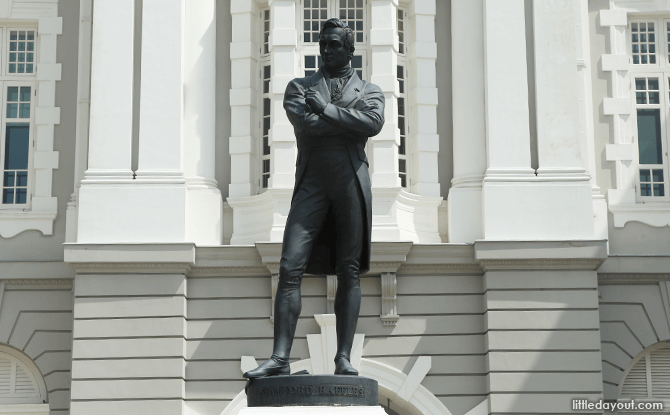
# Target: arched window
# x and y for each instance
(21, 383)
(648, 376)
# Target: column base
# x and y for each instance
(536, 210)
(401, 216)
(133, 212)
(465, 215)
(261, 217)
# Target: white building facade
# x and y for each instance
(521, 208)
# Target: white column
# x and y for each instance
(516, 203)
(283, 39)
(205, 205)
(469, 119)
(161, 106)
(384, 42)
(424, 141)
(111, 119)
(507, 117)
(244, 72)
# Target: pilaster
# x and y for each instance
(283, 38)
(424, 141)
(205, 205)
(384, 43)
(507, 116)
(244, 72)
(162, 91)
(111, 92)
(465, 195)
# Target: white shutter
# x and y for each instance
(635, 385)
(660, 373)
(16, 381)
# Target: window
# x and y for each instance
(648, 377)
(21, 59)
(650, 73)
(266, 123)
(266, 103)
(402, 125)
(317, 12)
(20, 381)
(402, 100)
(16, 117)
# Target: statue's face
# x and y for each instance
(333, 52)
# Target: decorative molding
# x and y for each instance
(652, 214)
(228, 271)
(632, 277)
(273, 267)
(469, 268)
(553, 263)
(130, 267)
(389, 314)
(29, 281)
(380, 266)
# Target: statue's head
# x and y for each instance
(336, 43)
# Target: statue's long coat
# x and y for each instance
(357, 115)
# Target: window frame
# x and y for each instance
(4, 85)
(660, 70)
(333, 11)
(4, 63)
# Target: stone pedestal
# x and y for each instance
(312, 390)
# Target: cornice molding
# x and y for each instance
(235, 271)
(632, 277)
(30, 281)
(469, 268)
(545, 264)
(130, 267)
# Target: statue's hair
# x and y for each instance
(350, 37)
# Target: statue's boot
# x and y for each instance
(287, 310)
(347, 307)
(271, 367)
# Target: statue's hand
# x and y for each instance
(315, 101)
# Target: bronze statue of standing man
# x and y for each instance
(329, 226)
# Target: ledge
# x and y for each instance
(402, 257)
(13, 222)
(652, 214)
(545, 255)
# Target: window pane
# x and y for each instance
(24, 110)
(357, 61)
(21, 196)
(649, 136)
(658, 175)
(645, 190)
(8, 180)
(12, 110)
(310, 61)
(644, 175)
(16, 148)
(13, 93)
(8, 196)
(22, 179)
(659, 190)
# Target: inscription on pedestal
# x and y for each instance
(312, 390)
